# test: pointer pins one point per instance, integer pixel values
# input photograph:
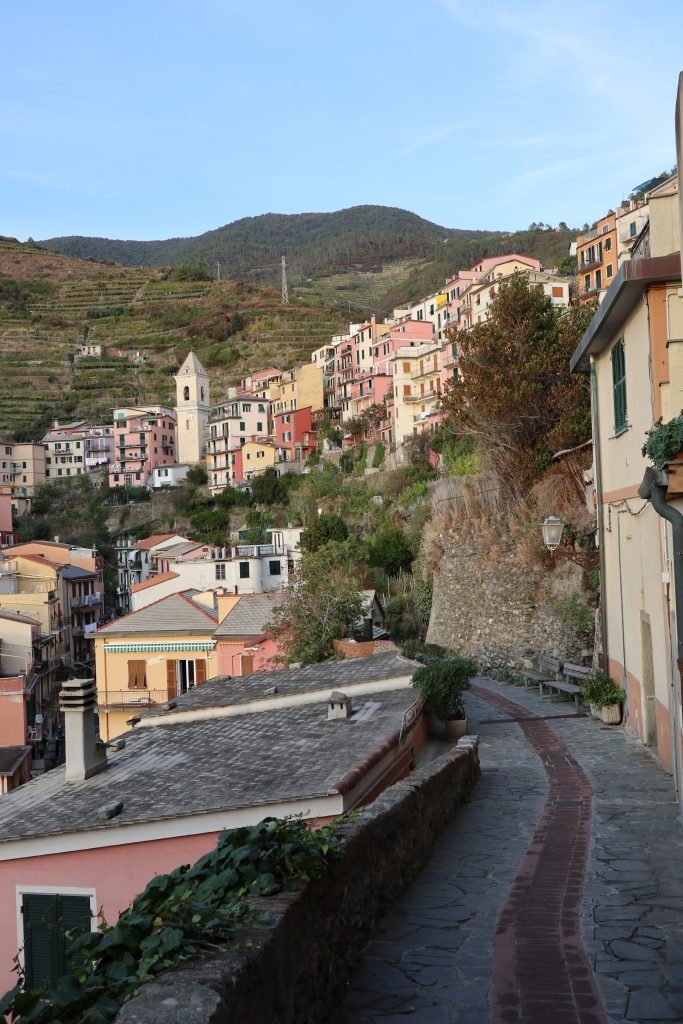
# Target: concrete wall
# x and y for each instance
(300, 958)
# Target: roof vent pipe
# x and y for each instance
(339, 706)
(85, 753)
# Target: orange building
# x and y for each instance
(596, 255)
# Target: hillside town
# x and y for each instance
(352, 690)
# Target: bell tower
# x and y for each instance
(192, 409)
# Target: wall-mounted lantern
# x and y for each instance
(552, 532)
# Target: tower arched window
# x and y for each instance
(186, 393)
(202, 391)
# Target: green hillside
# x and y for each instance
(376, 256)
(147, 323)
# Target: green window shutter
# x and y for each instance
(47, 918)
(619, 386)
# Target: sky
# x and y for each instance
(160, 118)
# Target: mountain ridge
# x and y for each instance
(357, 240)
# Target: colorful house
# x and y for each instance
(151, 656)
(242, 642)
(144, 437)
(294, 434)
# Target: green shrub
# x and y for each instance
(389, 550)
(378, 455)
(573, 612)
(424, 652)
(322, 530)
(442, 683)
(413, 493)
(600, 690)
(664, 441)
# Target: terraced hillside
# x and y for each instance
(146, 322)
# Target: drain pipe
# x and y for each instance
(601, 515)
(655, 491)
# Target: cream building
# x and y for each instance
(417, 389)
(633, 351)
(192, 410)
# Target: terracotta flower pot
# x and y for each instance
(674, 475)
(610, 714)
(456, 727)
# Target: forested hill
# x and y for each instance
(360, 240)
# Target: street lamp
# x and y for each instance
(552, 532)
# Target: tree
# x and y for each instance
(389, 550)
(269, 488)
(514, 392)
(322, 530)
(197, 476)
(323, 603)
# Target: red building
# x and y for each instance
(294, 434)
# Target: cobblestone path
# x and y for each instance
(558, 888)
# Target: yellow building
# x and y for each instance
(299, 388)
(151, 656)
(417, 389)
(257, 456)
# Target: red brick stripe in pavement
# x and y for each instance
(540, 971)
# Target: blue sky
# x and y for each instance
(158, 118)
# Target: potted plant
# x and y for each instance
(664, 446)
(604, 696)
(442, 684)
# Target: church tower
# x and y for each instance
(192, 409)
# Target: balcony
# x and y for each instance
(254, 550)
(134, 698)
(428, 371)
(595, 261)
(432, 396)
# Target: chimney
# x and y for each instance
(85, 753)
(339, 706)
(56, 538)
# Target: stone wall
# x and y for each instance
(297, 963)
(500, 608)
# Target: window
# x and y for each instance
(261, 408)
(243, 426)
(220, 570)
(259, 426)
(246, 407)
(619, 387)
(47, 917)
(609, 270)
(406, 367)
(598, 278)
(632, 229)
(244, 570)
(275, 568)
(608, 244)
(137, 676)
(557, 291)
(186, 393)
(587, 283)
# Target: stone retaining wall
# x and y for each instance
(499, 610)
(298, 962)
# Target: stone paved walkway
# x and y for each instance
(524, 915)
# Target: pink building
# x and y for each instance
(8, 534)
(144, 438)
(89, 836)
(294, 434)
(242, 642)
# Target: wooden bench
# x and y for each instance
(571, 671)
(548, 669)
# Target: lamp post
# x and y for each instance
(552, 532)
